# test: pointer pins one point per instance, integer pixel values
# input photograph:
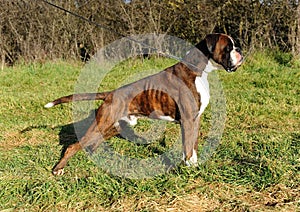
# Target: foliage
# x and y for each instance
(33, 30)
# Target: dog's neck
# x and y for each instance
(210, 66)
(199, 62)
(202, 46)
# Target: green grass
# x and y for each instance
(255, 168)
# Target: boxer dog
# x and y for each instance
(179, 93)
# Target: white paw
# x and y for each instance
(193, 161)
(58, 172)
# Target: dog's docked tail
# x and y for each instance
(78, 97)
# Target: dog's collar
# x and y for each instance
(210, 66)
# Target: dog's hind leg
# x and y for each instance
(90, 142)
(91, 138)
(102, 128)
(70, 151)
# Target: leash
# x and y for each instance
(120, 34)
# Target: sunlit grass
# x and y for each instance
(256, 166)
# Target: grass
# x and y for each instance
(255, 168)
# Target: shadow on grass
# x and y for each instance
(73, 132)
(67, 134)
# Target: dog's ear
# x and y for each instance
(211, 41)
(208, 44)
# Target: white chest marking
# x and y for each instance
(202, 87)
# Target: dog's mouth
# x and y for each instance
(235, 67)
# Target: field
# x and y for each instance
(255, 168)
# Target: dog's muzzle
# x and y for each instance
(239, 59)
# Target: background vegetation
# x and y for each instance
(32, 30)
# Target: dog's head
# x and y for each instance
(222, 49)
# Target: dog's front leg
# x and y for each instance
(189, 130)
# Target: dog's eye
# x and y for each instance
(228, 49)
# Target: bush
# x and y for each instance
(33, 30)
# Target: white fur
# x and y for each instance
(193, 160)
(50, 104)
(233, 53)
(166, 118)
(131, 120)
(202, 87)
(209, 67)
(231, 40)
(233, 57)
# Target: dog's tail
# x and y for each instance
(78, 97)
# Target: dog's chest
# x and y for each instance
(202, 87)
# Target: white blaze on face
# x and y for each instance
(235, 56)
